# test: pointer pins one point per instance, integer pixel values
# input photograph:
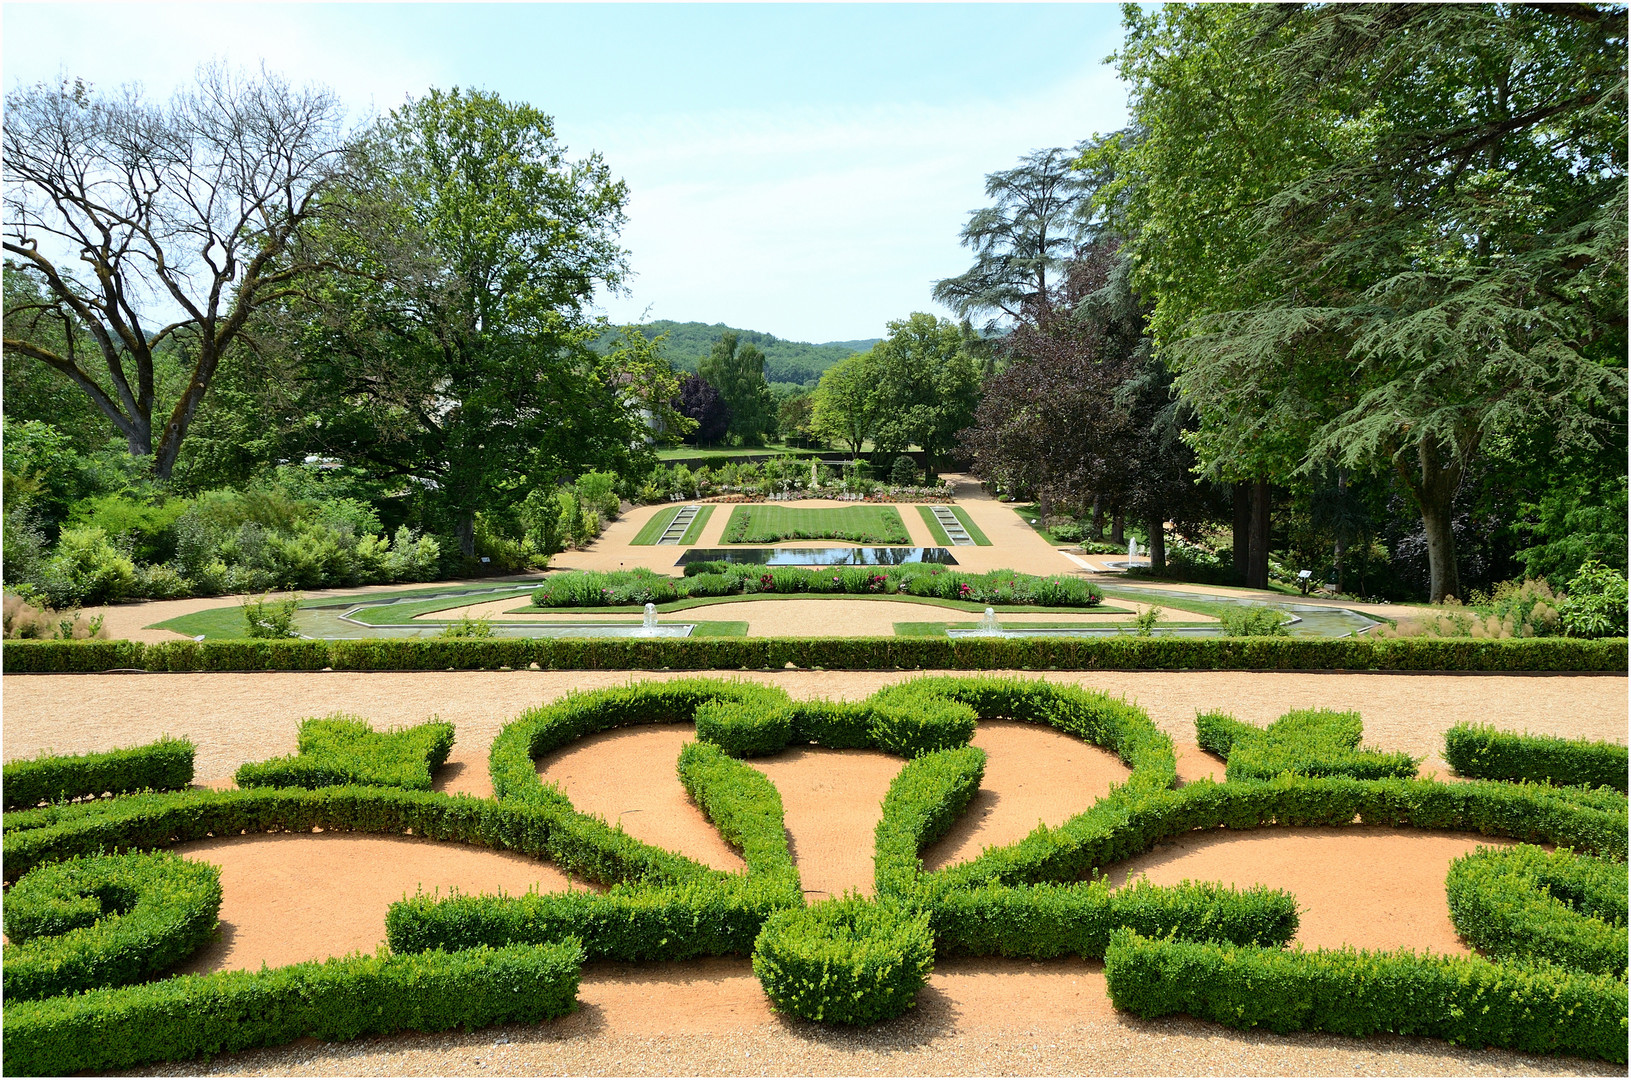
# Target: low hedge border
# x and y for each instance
(1504, 755)
(1306, 742)
(341, 749)
(165, 765)
(195, 1016)
(106, 920)
(1524, 902)
(1538, 1009)
(1120, 653)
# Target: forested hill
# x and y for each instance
(785, 361)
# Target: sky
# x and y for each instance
(798, 169)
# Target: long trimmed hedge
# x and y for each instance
(1506, 755)
(1119, 653)
(1541, 1009)
(165, 765)
(194, 1016)
(1525, 902)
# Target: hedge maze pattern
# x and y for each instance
(1553, 925)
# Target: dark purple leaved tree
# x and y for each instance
(704, 404)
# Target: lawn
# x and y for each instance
(652, 530)
(939, 534)
(772, 524)
(686, 453)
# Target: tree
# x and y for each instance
(453, 349)
(699, 401)
(844, 410)
(738, 371)
(794, 416)
(1027, 235)
(925, 386)
(188, 218)
(1427, 217)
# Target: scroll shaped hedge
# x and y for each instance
(340, 749)
(1525, 903)
(1305, 742)
(106, 920)
(165, 765)
(1505, 755)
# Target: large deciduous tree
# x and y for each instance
(1421, 212)
(925, 387)
(454, 347)
(153, 226)
(844, 406)
(698, 400)
(738, 371)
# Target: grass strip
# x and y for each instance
(695, 531)
(936, 532)
(973, 530)
(652, 531)
(720, 629)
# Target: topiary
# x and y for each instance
(845, 960)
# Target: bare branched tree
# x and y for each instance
(154, 226)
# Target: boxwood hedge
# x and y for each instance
(341, 749)
(1478, 750)
(164, 765)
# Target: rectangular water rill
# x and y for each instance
(791, 556)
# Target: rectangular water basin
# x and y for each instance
(1086, 631)
(792, 556)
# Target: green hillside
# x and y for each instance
(785, 361)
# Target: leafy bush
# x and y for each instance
(467, 626)
(598, 492)
(198, 1015)
(744, 729)
(1305, 742)
(264, 618)
(1253, 621)
(711, 566)
(845, 960)
(164, 765)
(1523, 902)
(106, 920)
(341, 749)
(1596, 604)
(1539, 1009)
(1504, 755)
(87, 568)
(903, 473)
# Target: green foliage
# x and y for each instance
(147, 527)
(159, 766)
(737, 371)
(106, 920)
(1253, 621)
(845, 960)
(468, 626)
(1526, 903)
(903, 473)
(1537, 1009)
(1145, 622)
(200, 1015)
(265, 618)
(1543, 759)
(925, 385)
(744, 729)
(1304, 742)
(595, 588)
(924, 801)
(1596, 603)
(774, 524)
(912, 719)
(87, 568)
(1045, 921)
(341, 749)
(1116, 653)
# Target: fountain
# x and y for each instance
(989, 626)
(648, 625)
(1132, 550)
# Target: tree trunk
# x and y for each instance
(1435, 487)
(1118, 525)
(1043, 506)
(1096, 532)
(465, 531)
(1341, 538)
(1257, 554)
(1158, 544)
(1243, 527)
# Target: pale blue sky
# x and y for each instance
(798, 169)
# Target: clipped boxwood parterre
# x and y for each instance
(1026, 899)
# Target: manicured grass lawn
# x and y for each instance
(720, 629)
(1030, 513)
(772, 524)
(938, 629)
(652, 531)
(221, 622)
(939, 534)
(708, 601)
(697, 523)
(684, 453)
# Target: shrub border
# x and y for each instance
(1121, 653)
